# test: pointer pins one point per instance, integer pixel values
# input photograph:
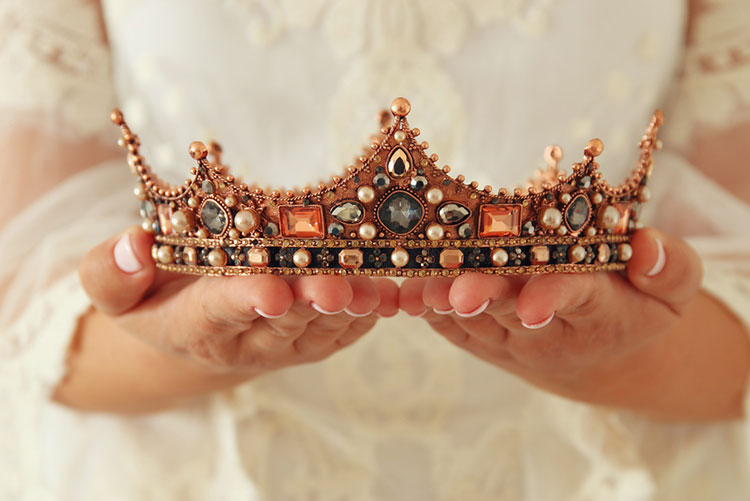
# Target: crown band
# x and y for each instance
(394, 213)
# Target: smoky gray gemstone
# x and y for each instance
(348, 212)
(452, 213)
(271, 229)
(577, 213)
(418, 182)
(207, 186)
(381, 181)
(465, 230)
(400, 212)
(147, 209)
(335, 229)
(214, 217)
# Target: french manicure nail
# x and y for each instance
(420, 314)
(443, 312)
(475, 312)
(267, 315)
(661, 260)
(539, 325)
(351, 313)
(319, 309)
(125, 258)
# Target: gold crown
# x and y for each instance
(393, 213)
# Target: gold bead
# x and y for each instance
(400, 106)
(190, 256)
(594, 148)
(198, 150)
(116, 117)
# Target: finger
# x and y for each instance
(117, 273)
(327, 294)
(474, 293)
(366, 297)
(665, 268)
(435, 295)
(410, 296)
(389, 292)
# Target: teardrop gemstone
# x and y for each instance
(577, 213)
(348, 212)
(400, 212)
(452, 213)
(398, 162)
(214, 217)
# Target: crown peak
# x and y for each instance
(400, 107)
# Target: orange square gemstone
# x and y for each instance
(165, 218)
(499, 220)
(301, 221)
(622, 225)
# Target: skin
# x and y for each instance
(630, 341)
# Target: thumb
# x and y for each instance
(665, 267)
(117, 273)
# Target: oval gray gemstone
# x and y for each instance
(452, 213)
(148, 210)
(400, 212)
(214, 217)
(465, 230)
(348, 212)
(577, 213)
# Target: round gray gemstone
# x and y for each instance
(214, 217)
(452, 213)
(348, 212)
(207, 186)
(400, 212)
(271, 229)
(381, 181)
(335, 229)
(465, 230)
(418, 182)
(577, 213)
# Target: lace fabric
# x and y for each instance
(401, 414)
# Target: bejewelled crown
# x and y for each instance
(393, 213)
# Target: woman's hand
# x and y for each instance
(222, 329)
(608, 338)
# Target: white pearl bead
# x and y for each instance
(217, 257)
(233, 233)
(399, 135)
(201, 233)
(165, 254)
(368, 231)
(562, 230)
(302, 258)
(551, 218)
(230, 201)
(565, 198)
(366, 194)
(434, 232)
(577, 253)
(147, 226)
(192, 202)
(399, 257)
(644, 195)
(609, 217)
(499, 257)
(246, 220)
(591, 231)
(597, 198)
(139, 191)
(434, 195)
(624, 252)
(180, 221)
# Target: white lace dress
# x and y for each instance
(291, 89)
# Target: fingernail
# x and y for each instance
(351, 313)
(661, 260)
(319, 309)
(267, 315)
(475, 312)
(420, 314)
(539, 325)
(443, 312)
(125, 258)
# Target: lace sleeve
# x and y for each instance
(54, 60)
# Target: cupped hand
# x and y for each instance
(249, 324)
(578, 335)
